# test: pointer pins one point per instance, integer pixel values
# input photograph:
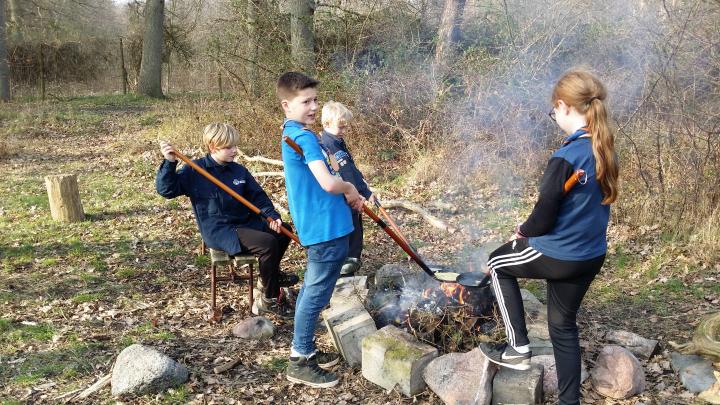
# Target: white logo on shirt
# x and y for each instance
(237, 182)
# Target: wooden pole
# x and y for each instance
(220, 83)
(64, 197)
(42, 74)
(123, 71)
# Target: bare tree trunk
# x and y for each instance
(253, 50)
(151, 65)
(4, 70)
(302, 36)
(16, 34)
(449, 33)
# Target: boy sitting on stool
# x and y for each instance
(225, 223)
(335, 119)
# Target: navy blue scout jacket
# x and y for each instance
(348, 171)
(573, 226)
(217, 213)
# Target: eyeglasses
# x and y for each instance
(551, 114)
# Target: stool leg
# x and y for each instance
(212, 285)
(251, 285)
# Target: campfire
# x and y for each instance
(448, 316)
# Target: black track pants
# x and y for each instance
(567, 283)
(269, 247)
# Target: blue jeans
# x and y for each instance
(323, 269)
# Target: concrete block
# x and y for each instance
(347, 287)
(518, 387)
(392, 357)
(347, 325)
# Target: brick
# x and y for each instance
(394, 358)
(518, 387)
(347, 325)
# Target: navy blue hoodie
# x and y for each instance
(569, 227)
(217, 213)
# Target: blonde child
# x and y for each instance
(335, 120)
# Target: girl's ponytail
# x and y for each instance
(583, 91)
(603, 145)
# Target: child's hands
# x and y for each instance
(354, 199)
(275, 225)
(167, 151)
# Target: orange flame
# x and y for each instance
(455, 291)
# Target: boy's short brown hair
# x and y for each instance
(290, 83)
(220, 135)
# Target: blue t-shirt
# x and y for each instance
(318, 216)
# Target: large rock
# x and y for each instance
(550, 379)
(461, 378)
(638, 345)
(258, 328)
(617, 373)
(712, 394)
(696, 372)
(398, 275)
(518, 387)
(392, 357)
(140, 370)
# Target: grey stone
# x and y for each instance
(461, 378)
(392, 357)
(140, 370)
(518, 387)
(696, 372)
(540, 347)
(617, 373)
(641, 347)
(347, 287)
(348, 325)
(400, 275)
(550, 380)
(258, 328)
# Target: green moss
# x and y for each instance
(276, 364)
(87, 297)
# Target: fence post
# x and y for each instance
(122, 67)
(42, 73)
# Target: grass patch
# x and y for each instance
(126, 273)
(276, 364)
(179, 395)
(17, 332)
(63, 363)
(146, 332)
(87, 297)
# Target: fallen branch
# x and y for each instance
(269, 174)
(430, 218)
(67, 394)
(227, 365)
(96, 387)
(262, 159)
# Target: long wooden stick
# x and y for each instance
(404, 246)
(234, 194)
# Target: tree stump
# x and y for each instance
(64, 198)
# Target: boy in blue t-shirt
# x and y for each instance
(320, 204)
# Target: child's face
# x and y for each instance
(337, 128)
(223, 155)
(302, 107)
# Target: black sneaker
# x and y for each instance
(350, 266)
(326, 360)
(278, 307)
(506, 356)
(305, 370)
(287, 279)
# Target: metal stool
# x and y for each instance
(221, 258)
